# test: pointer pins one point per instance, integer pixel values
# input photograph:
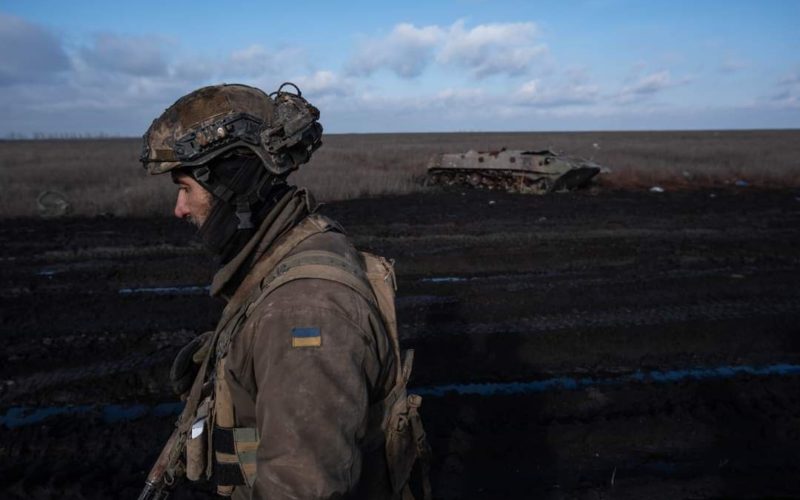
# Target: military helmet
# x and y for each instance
(280, 128)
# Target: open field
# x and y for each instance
(103, 176)
(607, 344)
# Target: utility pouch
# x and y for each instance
(196, 443)
(406, 444)
(234, 456)
(401, 451)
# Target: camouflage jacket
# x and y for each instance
(303, 370)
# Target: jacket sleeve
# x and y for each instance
(311, 402)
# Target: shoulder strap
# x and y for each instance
(320, 264)
(311, 225)
(382, 280)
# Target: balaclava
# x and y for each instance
(243, 193)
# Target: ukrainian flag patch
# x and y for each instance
(306, 337)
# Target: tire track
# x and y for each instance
(11, 389)
(488, 390)
(624, 317)
(580, 278)
(582, 320)
(512, 282)
(574, 383)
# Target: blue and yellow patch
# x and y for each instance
(306, 337)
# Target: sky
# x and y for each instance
(109, 68)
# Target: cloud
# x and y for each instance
(460, 95)
(258, 61)
(255, 64)
(484, 50)
(577, 74)
(489, 49)
(791, 79)
(194, 69)
(252, 61)
(136, 56)
(114, 84)
(533, 93)
(30, 53)
(649, 85)
(788, 91)
(324, 83)
(407, 50)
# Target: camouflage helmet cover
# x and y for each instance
(188, 126)
(204, 124)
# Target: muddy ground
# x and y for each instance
(583, 345)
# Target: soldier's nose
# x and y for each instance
(181, 208)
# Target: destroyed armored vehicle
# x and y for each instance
(517, 171)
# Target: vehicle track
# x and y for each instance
(573, 321)
(38, 382)
(598, 276)
(714, 311)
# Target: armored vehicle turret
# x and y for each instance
(537, 172)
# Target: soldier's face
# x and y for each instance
(193, 203)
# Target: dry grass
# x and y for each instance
(103, 175)
(97, 176)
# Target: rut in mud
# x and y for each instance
(606, 345)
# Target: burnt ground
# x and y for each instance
(583, 345)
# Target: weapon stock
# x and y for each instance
(162, 474)
(168, 466)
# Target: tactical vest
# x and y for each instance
(217, 450)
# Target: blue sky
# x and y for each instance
(91, 67)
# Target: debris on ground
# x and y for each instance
(52, 204)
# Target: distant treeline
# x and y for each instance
(40, 136)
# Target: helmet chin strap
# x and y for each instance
(244, 214)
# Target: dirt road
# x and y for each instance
(584, 345)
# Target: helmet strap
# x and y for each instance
(244, 214)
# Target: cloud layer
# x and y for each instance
(30, 53)
(457, 76)
(483, 50)
(136, 56)
(407, 50)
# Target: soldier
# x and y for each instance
(300, 390)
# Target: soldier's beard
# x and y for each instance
(198, 220)
(201, 214)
